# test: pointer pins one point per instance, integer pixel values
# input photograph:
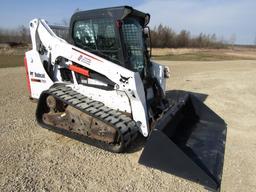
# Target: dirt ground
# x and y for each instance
(35, 159)
(235, 52)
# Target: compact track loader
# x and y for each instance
(101, 87)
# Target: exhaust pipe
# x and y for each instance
(189, 142)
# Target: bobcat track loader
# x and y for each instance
(101, 87)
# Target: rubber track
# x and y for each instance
(126, 127)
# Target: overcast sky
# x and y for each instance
(225, 18)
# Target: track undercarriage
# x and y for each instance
(64, 110)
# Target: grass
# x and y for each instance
(16, 59)
(199, 56)
(11, 61)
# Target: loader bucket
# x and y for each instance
(188, 142)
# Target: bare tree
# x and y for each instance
(164, 36)
(232, 40)
(65, 22)
(183, 39)
(24, 34)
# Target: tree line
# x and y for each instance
(21, 35)
(165, 37)
(16, 36)
(161, 37)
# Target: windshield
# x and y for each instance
(133, 39)
(98, 36)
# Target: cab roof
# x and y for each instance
(117, 13)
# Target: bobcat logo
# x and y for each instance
(124, 79)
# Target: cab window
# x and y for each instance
(97, 36)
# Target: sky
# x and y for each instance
(228, 19)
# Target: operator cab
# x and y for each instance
(116, 34)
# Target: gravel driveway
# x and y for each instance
(35, 159)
